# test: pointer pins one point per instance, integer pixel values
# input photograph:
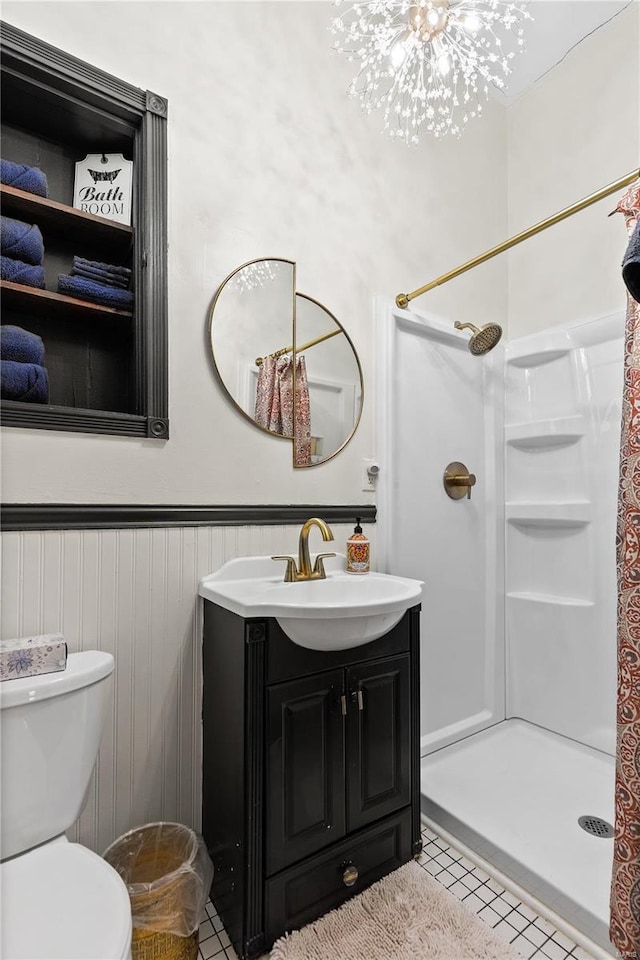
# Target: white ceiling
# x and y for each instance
(557, 26)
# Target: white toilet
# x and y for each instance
(58, 900)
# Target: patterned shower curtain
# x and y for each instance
(625, 886)
(275, 408)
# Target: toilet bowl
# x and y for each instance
(58, 900)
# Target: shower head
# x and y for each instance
(483, 339)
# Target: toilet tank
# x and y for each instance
(50, 730)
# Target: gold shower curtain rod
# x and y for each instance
(304, 346)
(402, 300)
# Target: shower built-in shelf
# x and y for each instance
(550, 515)
(543, 434)
(550, 599)
(537, 357)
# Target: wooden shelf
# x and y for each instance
(17, 296)
(50, 213)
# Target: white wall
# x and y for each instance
(575, 131)
(267, 157)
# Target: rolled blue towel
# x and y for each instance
(85, 289)
(23, 381)
(631, 264)
(19, 272)
(31, 179)
(22, 241)
(20, 345)
(109, 268)
(109, 279)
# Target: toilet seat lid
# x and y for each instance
(63, 902)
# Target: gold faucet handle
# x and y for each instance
(471, 483)
(318, 567)
(290, 572)
(457, 480)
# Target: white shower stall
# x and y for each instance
(518, 654)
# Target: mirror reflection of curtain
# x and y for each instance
(275, 407)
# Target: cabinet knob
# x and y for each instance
(349, 874)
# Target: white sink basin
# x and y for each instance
(342, 611)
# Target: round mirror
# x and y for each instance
(285, 361)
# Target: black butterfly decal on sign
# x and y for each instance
(104, 175)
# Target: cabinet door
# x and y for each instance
(378, 740)
(305, 767)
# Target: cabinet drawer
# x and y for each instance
(302, 893)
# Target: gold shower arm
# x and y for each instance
(304, 346)
(402, 300)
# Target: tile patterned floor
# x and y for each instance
(530, 935)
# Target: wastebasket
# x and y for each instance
(168, 874)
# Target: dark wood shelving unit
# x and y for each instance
(17, 296)
(107, 367)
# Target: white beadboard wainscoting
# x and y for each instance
(134, 593)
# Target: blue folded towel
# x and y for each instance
(23, 381)
(22, 241)
(109, 268)
(20, 345)
(19, 272)
(26, 178)
(85, 289)
(631, 264)
(109, 279)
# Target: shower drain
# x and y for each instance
(596, 826)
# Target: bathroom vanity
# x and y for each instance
(310, 770)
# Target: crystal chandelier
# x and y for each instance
(429, 63)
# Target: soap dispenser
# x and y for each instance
(358, 548)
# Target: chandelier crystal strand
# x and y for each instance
(255, 275)
(429, 64)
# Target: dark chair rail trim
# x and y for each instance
(91, 516)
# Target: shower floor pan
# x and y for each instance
(514, 793)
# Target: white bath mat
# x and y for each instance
(406, 916)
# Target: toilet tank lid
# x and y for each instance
(82, 670)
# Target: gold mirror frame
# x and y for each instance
(294, 350)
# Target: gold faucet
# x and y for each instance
(303, 571)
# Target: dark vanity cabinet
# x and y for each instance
(310, 771)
